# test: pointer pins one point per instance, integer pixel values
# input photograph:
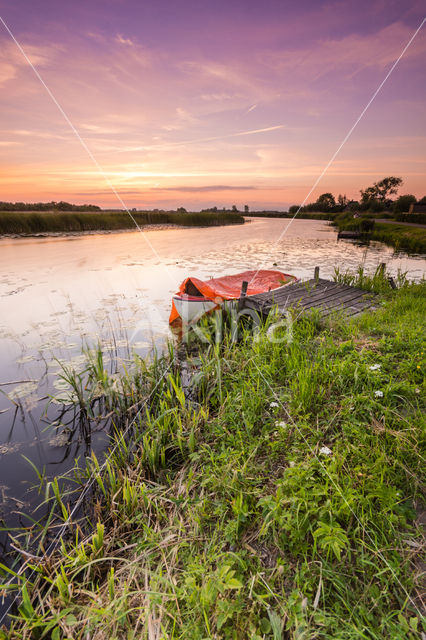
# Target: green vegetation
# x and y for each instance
(405, 238)
(416, 218)
(47, 206)
(302, 215)
(401, 237)
(374, 199)
(279, 503)
(13, 222)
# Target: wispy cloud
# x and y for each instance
(126, 41)
(12, 62)
(264, 130)
(207, 188)
(159, 112)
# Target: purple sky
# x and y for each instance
(199, 103)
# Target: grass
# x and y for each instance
(302, 215)
(412, 239)
(405, 238)
(280, 503)
(30, 222)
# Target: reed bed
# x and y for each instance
(276, 497)
(402, 238)
(32, 222)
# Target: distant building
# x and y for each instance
(417, 208)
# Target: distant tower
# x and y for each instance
(246, 209)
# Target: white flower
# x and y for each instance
(378, 394)
(281, 424)
(417, 391)
(274, 405)
(325, 451)
(375, 367)
(291, 463)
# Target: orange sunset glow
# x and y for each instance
(198, 107)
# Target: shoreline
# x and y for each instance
(298, 463)
(93, 232)
(100, 232)
(33, 223)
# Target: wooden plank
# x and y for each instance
(290, 294)
(335, 297)
(322, 295)
(343, 298)
(330, 295)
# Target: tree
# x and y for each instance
(326, 202)
(380, 192)
(342, 200)
(422, 200)
(246, 209)
(234, 208)
(181, 210)
(402, 204)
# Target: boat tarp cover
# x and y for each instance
(229, 287)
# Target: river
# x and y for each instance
(59, 294)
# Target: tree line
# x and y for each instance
(375, 198)
(47, 206)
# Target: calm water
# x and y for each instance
(59, 294)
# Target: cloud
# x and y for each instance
(219, 97)
(184, 143)
(12, 61)
(126, 41)
(264, 130)
(207, 188)
(348, 55)
(99, 129)
(183, 189)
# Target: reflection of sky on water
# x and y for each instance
(60, 294)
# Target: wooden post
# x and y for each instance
(316, 274)
(392, 282)
(242, 294)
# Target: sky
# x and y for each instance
(196, 103)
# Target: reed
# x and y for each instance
(30, 222)
(402, 238)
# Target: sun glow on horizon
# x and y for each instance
(201, 123)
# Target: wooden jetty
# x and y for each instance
(323, 295)
(352, 235)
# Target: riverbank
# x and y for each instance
(403, 236)
(283, 501)
(302, 215)
(75, 234)
(14, 223)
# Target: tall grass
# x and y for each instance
(377, 282)
(29, 222)
(404, 238)
(281, 504)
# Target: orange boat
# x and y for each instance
(197, 297)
